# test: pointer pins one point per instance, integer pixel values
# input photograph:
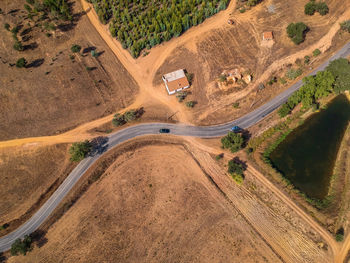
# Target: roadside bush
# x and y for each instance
(340, 69)
(316, 52)
(306, 60)
(118, 120)
(130, 115)
(296, 32)
(284, 110)
(121, 119)
(21, 246)
(293, 73)
(232, 141)
(75, 48)
(345, 25)
(21, 63)
(79, 150)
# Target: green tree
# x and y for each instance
(21, 246)
(284, 110)
(310, 8)
(322, 8)
(296, 32)
(22, 62)
(345, 25)
(232, 141)
(340, 69)
(75, 48)
(79, 150)
(118, 119)
(18, 46)
(316, 52)
(130, 115)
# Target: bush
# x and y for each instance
(236, 170)
(235, 105)
(75, 48)
(310, 8)
(21, 63)
(322, 8)
(219, 156)
(284, 110)
(189, 77)
(18, 46)
(316, 52)
(121, 119)
(222, 78)
(345, 25)
(79, 150)
(232, 141)
(7, 26)
(118, 120)
(21, 246)
(306, 60)
(296, 32)
(181, 96)
(293, 73)
(190, 104)
(129, 115)
(339, 235)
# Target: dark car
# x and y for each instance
(164, 130)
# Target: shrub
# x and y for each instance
(222, 78)
(235, 105)
(130, 115)
(322, 8)
(118, 120)
(21, 246)
(21, 63)
(18, 46)
(316, 52)
(181, 96)
(242, 10)
(339, 235)
(306, 60)
(121, 119)
(190, 104)
(296, 32)
(75, 48)
(232, 141)
(7, 26)
(282, 81)
(79, 150)
(345, 25)
(310, 8)
(235, 167)
(293, 73)
(189, 77)
(284, 110)
(219, 156)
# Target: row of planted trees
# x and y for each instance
(140, 24)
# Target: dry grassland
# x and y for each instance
(60, 93)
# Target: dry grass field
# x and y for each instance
(162, 210)
(56, 93)
(28, 175)
(240, 46)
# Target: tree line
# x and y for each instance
(335, 79)
(140, 24)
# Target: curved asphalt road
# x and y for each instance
(151, 128)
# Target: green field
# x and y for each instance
(140, 24)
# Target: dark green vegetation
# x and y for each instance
(296, 32)
(79, 150)
(316, 52)
(21, 246)
(121, 119)
(55, 9)
(336, 78)
(236, 169)
(144, 24)
(21, 63)
(75, 48)
(307, 155)
(345, 26)
(232, 141)
(313, 6)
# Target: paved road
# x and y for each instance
(151, 128)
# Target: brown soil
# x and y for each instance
(28, 176)
(240, 46)
(128, 209)
(61, 93)
(135, 215)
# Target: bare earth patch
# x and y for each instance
(164, 209)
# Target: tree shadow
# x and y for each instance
(99, 145)
(140, 112)
(246, 136)
(39, 237)
(26, 31)
(88, 49)
(3, 258)
(36, 63)
(31, 46)
(26, 38)
(13, 11)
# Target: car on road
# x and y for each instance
(236, 129)
(164, 130)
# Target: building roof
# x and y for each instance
(268, 35)
(178, 74)
(176, 80)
